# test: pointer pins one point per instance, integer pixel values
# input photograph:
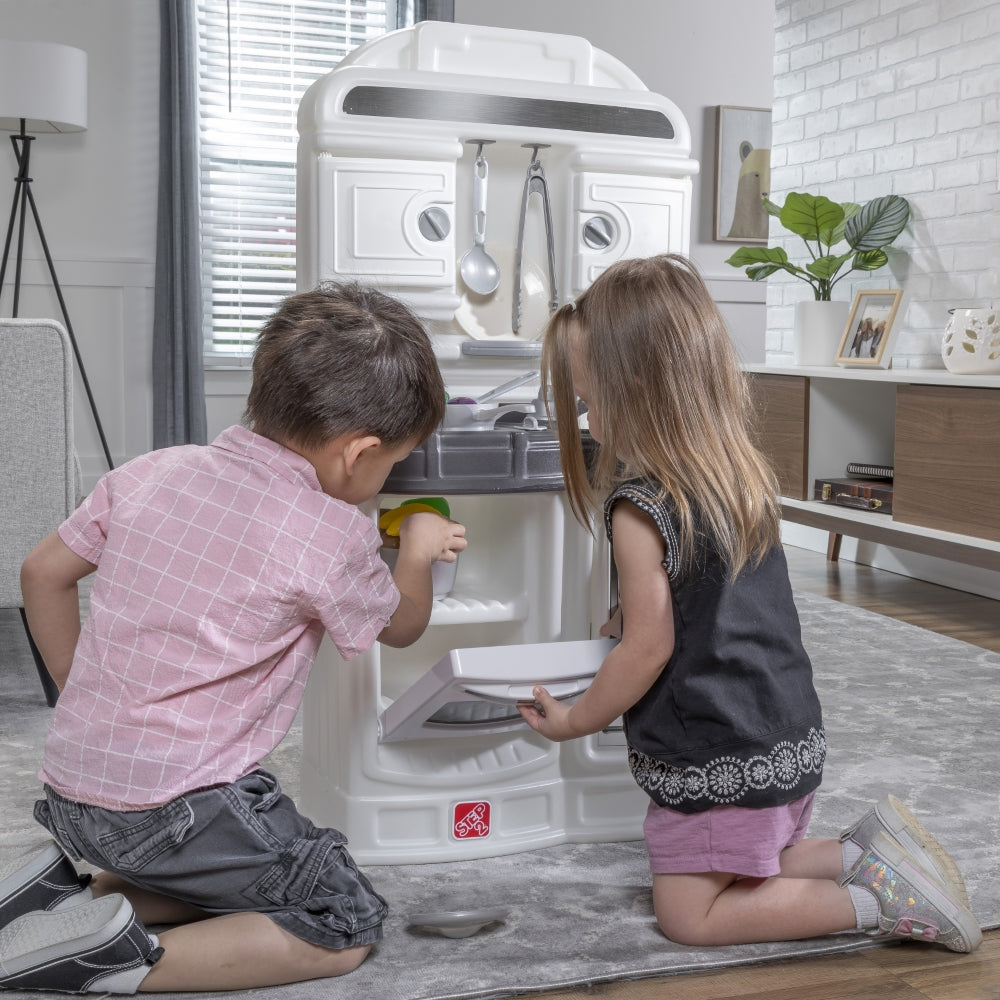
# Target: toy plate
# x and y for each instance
(459, 923)
(488, 317)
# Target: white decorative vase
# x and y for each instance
(819, 328)
(971, 344)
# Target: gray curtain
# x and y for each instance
(178, 366)
(435, 10)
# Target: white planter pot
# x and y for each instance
(819, 328)
(971, 344)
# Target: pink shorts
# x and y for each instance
(725, 838)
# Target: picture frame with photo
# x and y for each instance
(742, 173)
(871, 329)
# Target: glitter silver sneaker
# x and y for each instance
(911, 903)
(46, 881)
(893, 818)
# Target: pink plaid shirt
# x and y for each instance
(219, 569)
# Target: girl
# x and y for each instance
(723, 724)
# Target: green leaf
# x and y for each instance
(761, 271)
(758, 255)
(870, 260)
(810, 216)
(834, 236)
(877, 223)
(825, 268)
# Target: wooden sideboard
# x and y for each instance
(941, 432)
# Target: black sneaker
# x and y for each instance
(74, 949)
(47, 882)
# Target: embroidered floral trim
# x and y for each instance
(729, 780)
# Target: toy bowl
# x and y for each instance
(442, 573)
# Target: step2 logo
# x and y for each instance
(471, 820)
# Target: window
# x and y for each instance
(255, 60)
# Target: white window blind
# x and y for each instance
(256, 58)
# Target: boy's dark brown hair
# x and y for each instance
(344, 358)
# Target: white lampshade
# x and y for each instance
(45, 84)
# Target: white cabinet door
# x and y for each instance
(369, 220)
(617, 216)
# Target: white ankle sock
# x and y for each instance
(866, 908)
(126, 981)
(850, 852)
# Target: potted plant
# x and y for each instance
(868, 230)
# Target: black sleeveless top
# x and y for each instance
(734, 718)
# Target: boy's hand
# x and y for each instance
(434, 537)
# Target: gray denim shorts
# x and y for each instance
(230, 849)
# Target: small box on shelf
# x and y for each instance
(859, 494)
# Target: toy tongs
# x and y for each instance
(534, 183)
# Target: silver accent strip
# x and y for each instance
(491, 109)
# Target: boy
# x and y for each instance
(218, 569)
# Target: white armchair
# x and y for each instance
(39, 478)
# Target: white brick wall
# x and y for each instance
(876, 97)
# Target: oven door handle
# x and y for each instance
(513, 693)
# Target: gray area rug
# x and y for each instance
(907, 711)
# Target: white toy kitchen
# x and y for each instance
(484, 176)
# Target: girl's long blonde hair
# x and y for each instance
(674, 405)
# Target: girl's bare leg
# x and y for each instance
(813, 858)
(716, 908)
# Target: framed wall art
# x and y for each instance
(870, 329)
(742, 173)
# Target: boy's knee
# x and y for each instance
(104, 883)
(342, 961)
(356, 956)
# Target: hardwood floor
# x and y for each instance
(939, 609)
(906, 972)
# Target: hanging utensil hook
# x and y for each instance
(534, 183)
(481, 171)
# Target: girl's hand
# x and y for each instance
(548, 716)
(631, 668)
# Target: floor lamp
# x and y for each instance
(43, 88)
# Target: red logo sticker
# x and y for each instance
(471, 820)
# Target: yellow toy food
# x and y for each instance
(390, 520)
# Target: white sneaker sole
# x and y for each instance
(16, 879)
(901, 821)
(37, 939)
